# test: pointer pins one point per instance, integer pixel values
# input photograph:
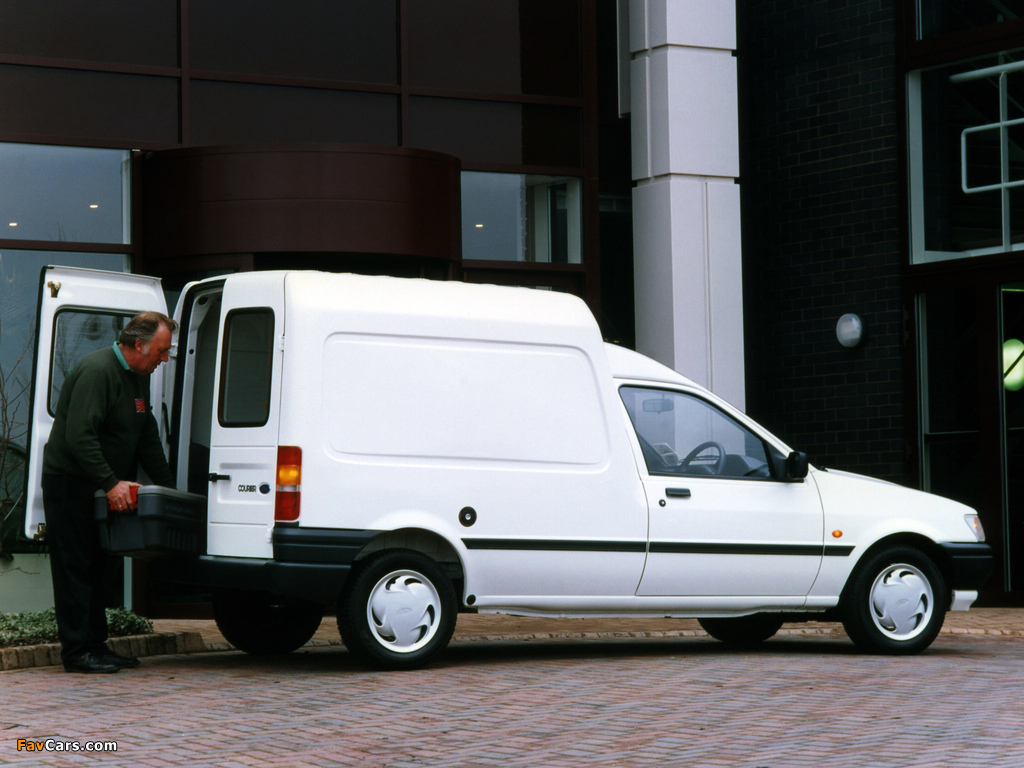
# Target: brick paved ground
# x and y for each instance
(681, 701)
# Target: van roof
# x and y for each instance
(627, 364)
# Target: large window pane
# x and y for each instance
(19, 285)
(967, 158)
(236, 113)
(1012, 305)
(939, 17)
(97, 30)
(498, 46)
(513, 217)
(63, 193)
(950, 417)
(247, 368)
(348, 40)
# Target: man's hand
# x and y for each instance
(120, 496)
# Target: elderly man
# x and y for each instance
(102, 431)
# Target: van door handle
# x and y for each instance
(214, 477)
(677, 493)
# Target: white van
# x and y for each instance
(402, 450)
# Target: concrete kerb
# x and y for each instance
(177, 643)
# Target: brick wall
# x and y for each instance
(819, 183)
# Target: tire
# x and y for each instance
(743, 631)
(895, 602)
(398, 611)
(263, 624)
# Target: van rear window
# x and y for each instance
(246, 368)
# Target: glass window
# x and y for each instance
(499, 46)
(99, 30)
(684, 435)
(64, 193)
(950, 416)
(105, 106)
(19, 286)
(247, 368)
(1012, 310)
(938, 17)
(521, 217)
(75, 335)
(966, 149)
(241, 113)
(497, 132)
(350, 40)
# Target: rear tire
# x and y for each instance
(895, 602)
(743, 631)
(263, 624)
(398, 611)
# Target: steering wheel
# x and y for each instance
(692, 455)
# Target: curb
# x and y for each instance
(176, 643)
(157, 644)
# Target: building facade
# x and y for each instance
(720, 181)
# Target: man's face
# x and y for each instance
(154, 353)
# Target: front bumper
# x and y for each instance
(970, 564)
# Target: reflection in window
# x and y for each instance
(247, 368)
(966, 148)
(64, 194)
(938, 17)
(684, 435)
(513, 217)
(75, 335)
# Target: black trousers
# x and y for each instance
(80, 568)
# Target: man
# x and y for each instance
(102, 431)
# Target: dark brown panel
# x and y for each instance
(344, 40)
(143, 33)
(80, 105)
(235, 113)
(497, 132)
(222, 200)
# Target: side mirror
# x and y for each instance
(796, 466)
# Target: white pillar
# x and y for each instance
(686, 204)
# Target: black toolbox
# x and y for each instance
(167, 523)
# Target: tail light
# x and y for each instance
(289, 484)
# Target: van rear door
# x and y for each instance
(244, 424)
(79, 311)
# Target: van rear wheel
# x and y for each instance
(398, 611)
(261, 623)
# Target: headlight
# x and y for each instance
(974, 523)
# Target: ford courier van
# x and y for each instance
(399, 451)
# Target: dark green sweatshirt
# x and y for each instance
(104, 427)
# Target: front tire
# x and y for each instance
(263, 624)
(895, 602)
(743, 631)
(398, 611)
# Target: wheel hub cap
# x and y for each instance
(403, 611)
(901, 602)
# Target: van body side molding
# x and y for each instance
(729, 548)
(556, 545)
(339, 546)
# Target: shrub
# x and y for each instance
(41, 626)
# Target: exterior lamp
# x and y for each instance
(850, 330)
(1013, 364)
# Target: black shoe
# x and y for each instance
(90, 663)
(121, 662)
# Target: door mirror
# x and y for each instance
(796, 466)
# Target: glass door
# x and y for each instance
(1012, 395)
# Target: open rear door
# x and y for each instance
(80, 311)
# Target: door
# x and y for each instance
(80, 311)
(243, 426)
(720, 525)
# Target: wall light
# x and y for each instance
(1013, 364)
(850, 330)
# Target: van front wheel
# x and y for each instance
(398, 611)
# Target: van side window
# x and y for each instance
(246, 368)
(75, 335)
(683, 435)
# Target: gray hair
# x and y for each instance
(143, 327)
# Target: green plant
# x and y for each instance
(35, 628)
